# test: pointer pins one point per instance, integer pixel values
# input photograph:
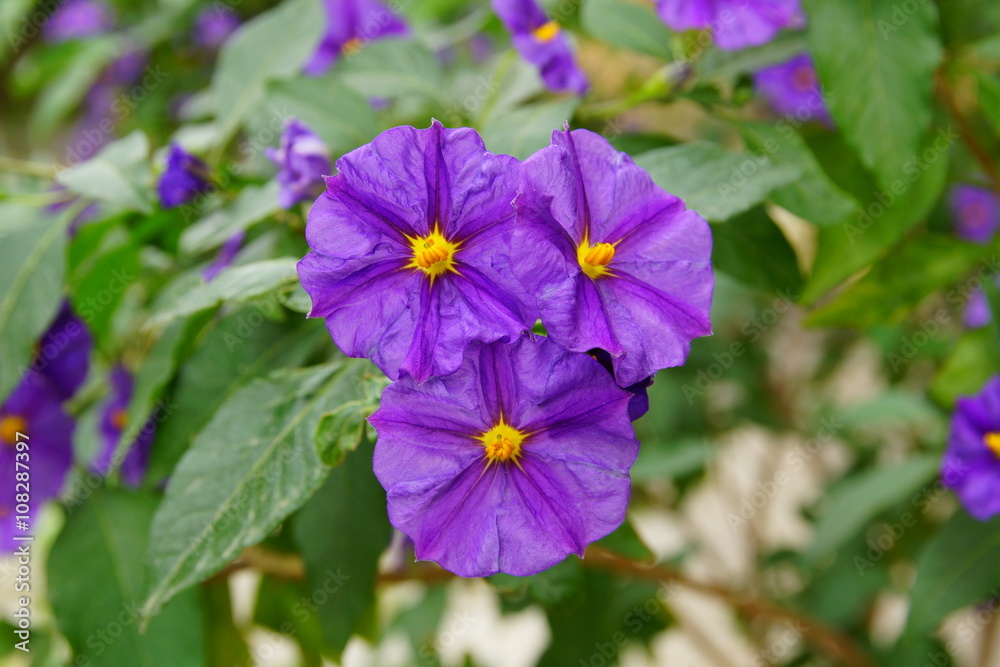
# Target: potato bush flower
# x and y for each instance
(350, 25)
(35, 410)
(410, 256)
(62, 356)
(543, 43)
(511, 463)
(76, 19)
(183, 180)
(613, 261)
(302, 160)
(114, 420)
(792, 89)
(214, 25)
(971, 464)
(975, 212)
(735, 24)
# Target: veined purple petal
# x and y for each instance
(567, 486)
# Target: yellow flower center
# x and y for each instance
(10, 426)
(594, 260)
(119, 418)
(352, 46)
(992, 440)
(547, 31)
(502, 443)
(433, 254)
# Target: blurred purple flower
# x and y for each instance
(975, 211)
(543, 43)
(735, 24)
(350, 25)
(114, 419)
(302, 160)
(792, 89)
(613, 261)
(63, 353)
(639, 405)
(410, 251)
(977, 310)
(75, 19)
(185, 178)
(510, 464)
(214, 25)
(35, 410)
(227, 253)
(971, 464)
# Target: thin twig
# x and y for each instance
(965, 131)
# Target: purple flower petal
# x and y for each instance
(736, 24)
(542, 42)
(185, 178)
(971, 464)
(975, 211)
(350, 25)
(792, 89)
(302, 160)
(63, 353)
(565, 487)
(656, 293)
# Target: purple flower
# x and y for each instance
(639, 404)
(971, 464)
(35, 410)
(613, 261)
(114, 417)
(542, 42)
(126, 68)
(75, 19)
(736, 24)
(185, 178)
(510, 464)
(792, 89)
(227, 253)
(350, 25)
(214, 25)
(63, 353)
(302, 160)
(976, 212)
(411, 251)
(977, 310)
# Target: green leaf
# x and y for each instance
(310, 100)
(892, 289)
(62, 96)
(713, 181)
(342, 531)
(989, 99)
(249, 468)
(876, 64)
(32, 263)
(624, 541)
(968, 367)
(396, 69)
(342, 429)
(244, 345)
(812, 196)
(95, 583)
(886, 214)
(252, 205)
(850, 505)
(527, 129)
(273, 45)
(752, 249)
(99, 283)
(625, 24)
(957, 568)
(236, 284)
(119, 174)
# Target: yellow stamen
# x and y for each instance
(992, 440)
(10, 426)
(594, 260)
(502, 443)
(547, 31)
(352, 46)
(433, 254)
(119, 418)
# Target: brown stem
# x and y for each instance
(831, 641)
(828, 639)
(965, 131)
